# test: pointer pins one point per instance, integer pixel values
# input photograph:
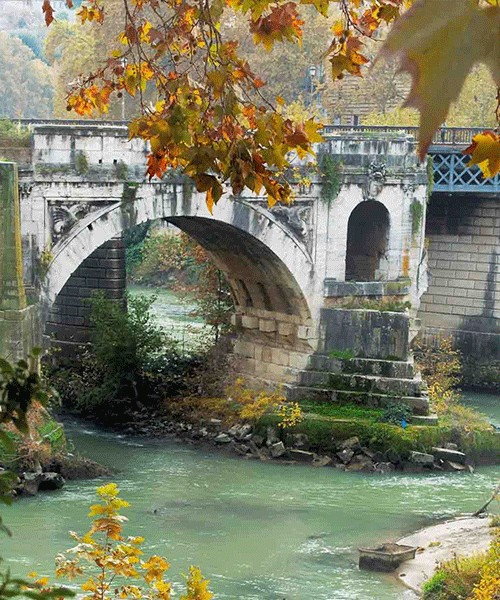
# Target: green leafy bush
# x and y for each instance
(455, 579)
(395, 413)
(130, 362)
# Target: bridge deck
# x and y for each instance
(451, 173)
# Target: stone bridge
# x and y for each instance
(300, 275)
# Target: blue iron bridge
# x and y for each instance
(451, 173)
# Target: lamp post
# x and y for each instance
(312, 75)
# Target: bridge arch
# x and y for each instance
(367, 242)
(267, 267)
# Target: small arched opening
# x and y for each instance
(367, 242)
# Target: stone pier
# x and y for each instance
(19, 323)
(69, 325)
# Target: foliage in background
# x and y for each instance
(20, 387)
(209, 291)
(163, 260)
(176, 262)
(25, 81)
(129, 362)
(474, 107)
(441, 368)
(110, 565)
(14, 134)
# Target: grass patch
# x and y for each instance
(346, 411)
(325, 432)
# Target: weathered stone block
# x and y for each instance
(366, 333)
(286, 328)
(421, 458)
(267, 325)
(249, 322)
(236, 320)
(246, 349)
(451, 455)
(279, 356)
(303, 332)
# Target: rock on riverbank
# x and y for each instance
(54, 474)
(463, 536)
(272, 444)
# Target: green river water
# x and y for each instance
(259, 531)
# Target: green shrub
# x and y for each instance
(435, 587)
(455, 579)
(129, 362)
(81, 163)
(395, 413)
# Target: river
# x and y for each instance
(173, 314)
(259, 531)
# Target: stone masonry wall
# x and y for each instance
(463, 298)
(69, 324)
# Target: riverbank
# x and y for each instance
(355, 445)
(42, 459)
(463, 536)
(258, 530)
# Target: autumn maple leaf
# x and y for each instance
(485, 153)
(438, 42)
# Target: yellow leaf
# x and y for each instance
(271, 201)
(438, 43)
(311, 128)
(108, 490)
(485, 153)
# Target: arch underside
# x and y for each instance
(258, 277)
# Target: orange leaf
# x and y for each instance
(210, 201)
(48, 11)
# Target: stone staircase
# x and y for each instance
(369, 382)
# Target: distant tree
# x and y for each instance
(25, 81)
(70, 50)
(210, 293)
(285, 70)
(475, 106)
(406, 117)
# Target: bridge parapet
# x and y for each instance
(70, 147)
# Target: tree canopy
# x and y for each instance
(205, 111)
(25, 81)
